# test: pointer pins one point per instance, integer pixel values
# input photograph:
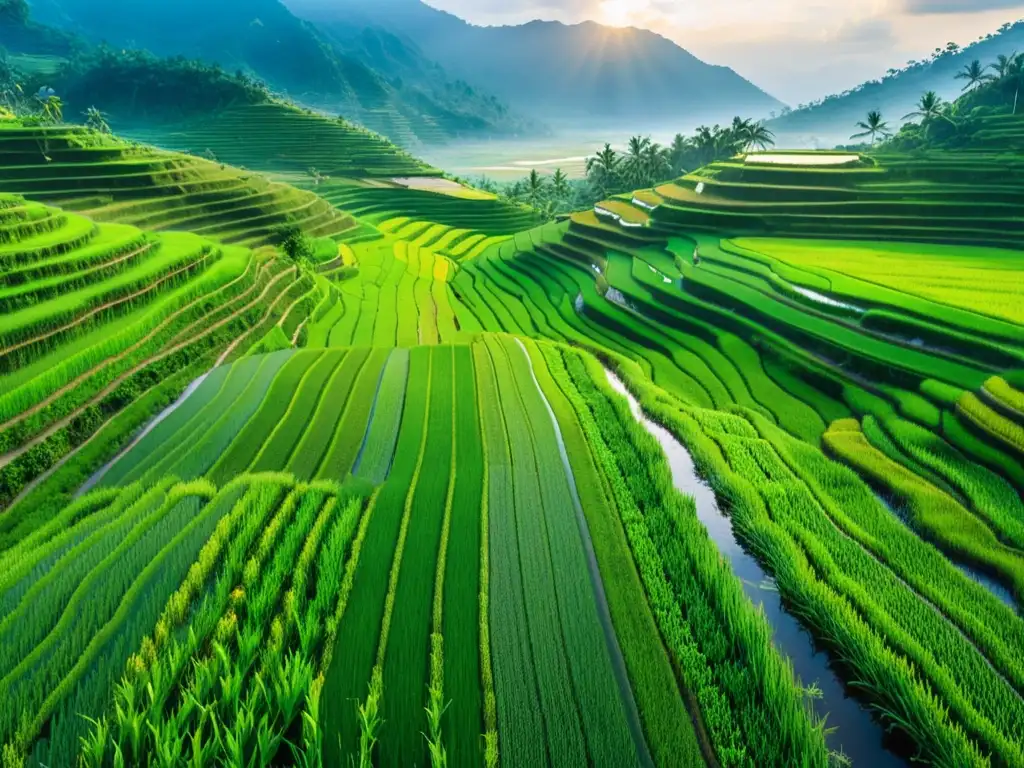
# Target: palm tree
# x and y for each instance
(560, 188)
(928, 108)
(1015, 76)
(726, 141)
(1002, 65)
(603, 169)
(705, 140)
(974, 74)
(635, 164)
(677, 152)
(874, 127)
(535, 188)
(657, 164)
(757, 136)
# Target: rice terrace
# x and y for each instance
(703, 452)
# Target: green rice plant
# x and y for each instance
(457, 616)
(50, 596)
(661, 705)
(243, 450)
(37, 506)
(178, 260)
(377, 453)
(161, 433)
(100, 603)
(851, 505)
(326, 420)
(150, 351)
(1007, 433)
(260, 694)
(663, 526)
(343, 451)
(45, 450)
(965, 438)
(360, 632)
(279, 446)
(27, 562)
(968, 684)
(938, 516)
(1005, 394)
(603, 716)
(405, 638)
(209, 444)
(989, 496)
(556, 692)
(170, 448)
(889, 675)
(114, 345)
(516, 699)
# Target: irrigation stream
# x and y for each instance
(858, 735)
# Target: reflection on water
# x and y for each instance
(857, 734)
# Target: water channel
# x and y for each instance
(858, 735)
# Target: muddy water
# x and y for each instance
(858, 735)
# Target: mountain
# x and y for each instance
(263, 37)
(831, 120)
(558, 71)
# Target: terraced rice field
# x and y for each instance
(395, 509)
(277, 137)
(113, 180)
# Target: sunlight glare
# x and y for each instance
(617, 13)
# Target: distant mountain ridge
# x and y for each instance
(556, 71)
(833, 118)
(265, 38)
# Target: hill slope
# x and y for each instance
(832, 120)
(265, 38)
(559, 71)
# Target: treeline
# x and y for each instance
(644, 163)
(989, 90)
(145, 87)
(130, 84)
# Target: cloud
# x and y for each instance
(959, 6)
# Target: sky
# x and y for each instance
(797, 50)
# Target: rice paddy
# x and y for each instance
(387, 506)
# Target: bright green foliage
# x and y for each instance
(460, 625)
(243, 450)
(341, 456)
(279, 445)
(406, 655)
(515, 680)
(110, 179)
(350, 672)
(661, 704)
(936, 514)
(325, 421)
(377, 453)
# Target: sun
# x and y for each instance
(617, 13)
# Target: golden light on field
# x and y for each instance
(618, 13)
